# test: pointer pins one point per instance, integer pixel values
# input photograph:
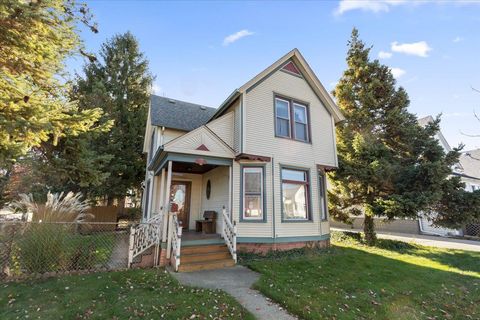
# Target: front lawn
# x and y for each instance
(394, 280)
(148, 294)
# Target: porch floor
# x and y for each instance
(193, 238)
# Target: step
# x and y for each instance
(204, 249)
(208, 256)
(205, 265)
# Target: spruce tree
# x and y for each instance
(389, 166)
(119, 82)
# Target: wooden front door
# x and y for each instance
(180, 201)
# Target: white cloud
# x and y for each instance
(397, 72)
(420, 48)
(366, 5)
(156, 89)
(458, 39)
(384, 55)
(236, 36)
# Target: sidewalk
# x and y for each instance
(426, 240)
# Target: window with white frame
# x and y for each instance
(291, 120)
(295, 194)
(253, 193)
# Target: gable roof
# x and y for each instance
(428, 119)
(176, 114)
(299, 61)
(470, 162)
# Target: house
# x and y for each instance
(258, 161)
(468, 169)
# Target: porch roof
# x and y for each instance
(187, 163)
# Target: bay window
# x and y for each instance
(295, 194)
(253, 193)
(291, 120)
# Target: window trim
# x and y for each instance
(323, 196)
(263, 219)
(308, 193)
(289, 118)
(291, 114)
(146, 206)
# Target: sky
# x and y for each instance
(201, 51)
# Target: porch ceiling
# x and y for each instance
(185, 167)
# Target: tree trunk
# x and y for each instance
(369, 230)
(110, 201)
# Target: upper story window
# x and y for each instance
(291, 120)
(152, 145)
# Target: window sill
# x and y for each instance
(297, 220)
(253, 220)
(290, 139)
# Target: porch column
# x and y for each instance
(167, 219)
(161, 194)
(230, 187)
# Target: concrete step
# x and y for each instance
(208, 256)
(205, 265)
(204, 249)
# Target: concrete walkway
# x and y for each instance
(237, 282)
(426, 240)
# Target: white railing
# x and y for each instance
(176, 231)
(145, 235)
(229, 234)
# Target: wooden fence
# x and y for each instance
(105, 214)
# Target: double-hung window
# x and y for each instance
(253, 193)
(295, 194)
(291, 120)
(322, 187)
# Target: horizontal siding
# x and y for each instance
(219, 182)
(223, 127)
(253, 229)
(260, 139)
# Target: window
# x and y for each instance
(282, 111)
(295, 194)
(152, 145)
(253, 193)
(323, 196)
(146, 205)
(291, 120)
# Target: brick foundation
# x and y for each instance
(146, 259)
(264, 248)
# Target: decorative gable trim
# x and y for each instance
(291, 68)
(202, 147)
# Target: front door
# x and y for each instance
(180, 201)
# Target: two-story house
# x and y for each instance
(254, 168)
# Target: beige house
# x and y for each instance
(258, 161)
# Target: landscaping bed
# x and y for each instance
(148, 294)
(393, 280)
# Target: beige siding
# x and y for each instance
(219, 181)
(253, 229)
(223, 127)
(190, 142)
(235, 109)
(260, 139)
(170, 134)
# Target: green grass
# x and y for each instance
(394, 280)
(146, 294)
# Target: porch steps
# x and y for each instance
(205, 257)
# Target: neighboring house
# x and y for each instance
(258, 161)
(468, 169)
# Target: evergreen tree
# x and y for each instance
(389, 166)
(119, 82)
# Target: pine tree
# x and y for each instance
(389, 166)
(119, 82)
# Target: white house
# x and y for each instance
(258, 161)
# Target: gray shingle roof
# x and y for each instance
(470, 161)
(176, 114)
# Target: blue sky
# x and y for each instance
(433, 47)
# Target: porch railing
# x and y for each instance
(229, 234)
(176, 240)
(145, 235)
